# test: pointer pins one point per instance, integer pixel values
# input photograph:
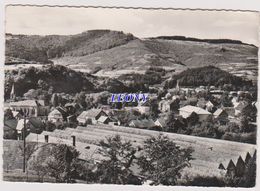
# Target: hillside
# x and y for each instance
(60, 78)
(140, 54)
(112, 53)
(44, 48)
(207, 75)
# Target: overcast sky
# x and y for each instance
(142, 23)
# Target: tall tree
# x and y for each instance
(119, 157)
(54, 100)
(63, 163)
(162, 160)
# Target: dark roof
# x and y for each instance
(92, 113)
(11, 123)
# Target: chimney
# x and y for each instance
(46, 137)
(73, 140)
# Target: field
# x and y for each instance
(208, 153)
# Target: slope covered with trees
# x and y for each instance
(51, 78)
(43, 48)
(208, 75)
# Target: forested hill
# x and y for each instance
(42, 48)
(208, 75)
(213, 41)
(58, 78)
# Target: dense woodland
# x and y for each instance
(49, 78)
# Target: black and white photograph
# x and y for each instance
(124, 96)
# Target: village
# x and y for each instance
(179, 109)
(198, 112)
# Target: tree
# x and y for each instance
(54, 100)
(248, 178)
(154, 108)
(162, 160)
(80, 98)
(39, 166)
(27, 152)
(8, 114)
(119, 157)
(244, 124)
(225, 100)
(42, 84)
(63, 163)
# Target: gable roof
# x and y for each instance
(15, 113)
(103, 118)
(55, 113)
(10, 123)
(160, 121)
(209, 103)
(92, 113)
(197, 110)
(218, 112)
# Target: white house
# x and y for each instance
(186, 111)
(30, 107)
(91, 116)
(55, 116)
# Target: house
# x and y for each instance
(145, 123)
(72, 107)
(186, 111)
(30, 107)
(91, 116)
(63, 112)
(221, 115)
(168, 105)
(33, 125)
(160, 122)
(55, 116)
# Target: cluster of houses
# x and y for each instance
(180, 101)
(184, 102)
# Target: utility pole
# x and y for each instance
(24, 144)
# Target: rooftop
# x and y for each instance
(194, 109)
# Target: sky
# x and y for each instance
(141, 23)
